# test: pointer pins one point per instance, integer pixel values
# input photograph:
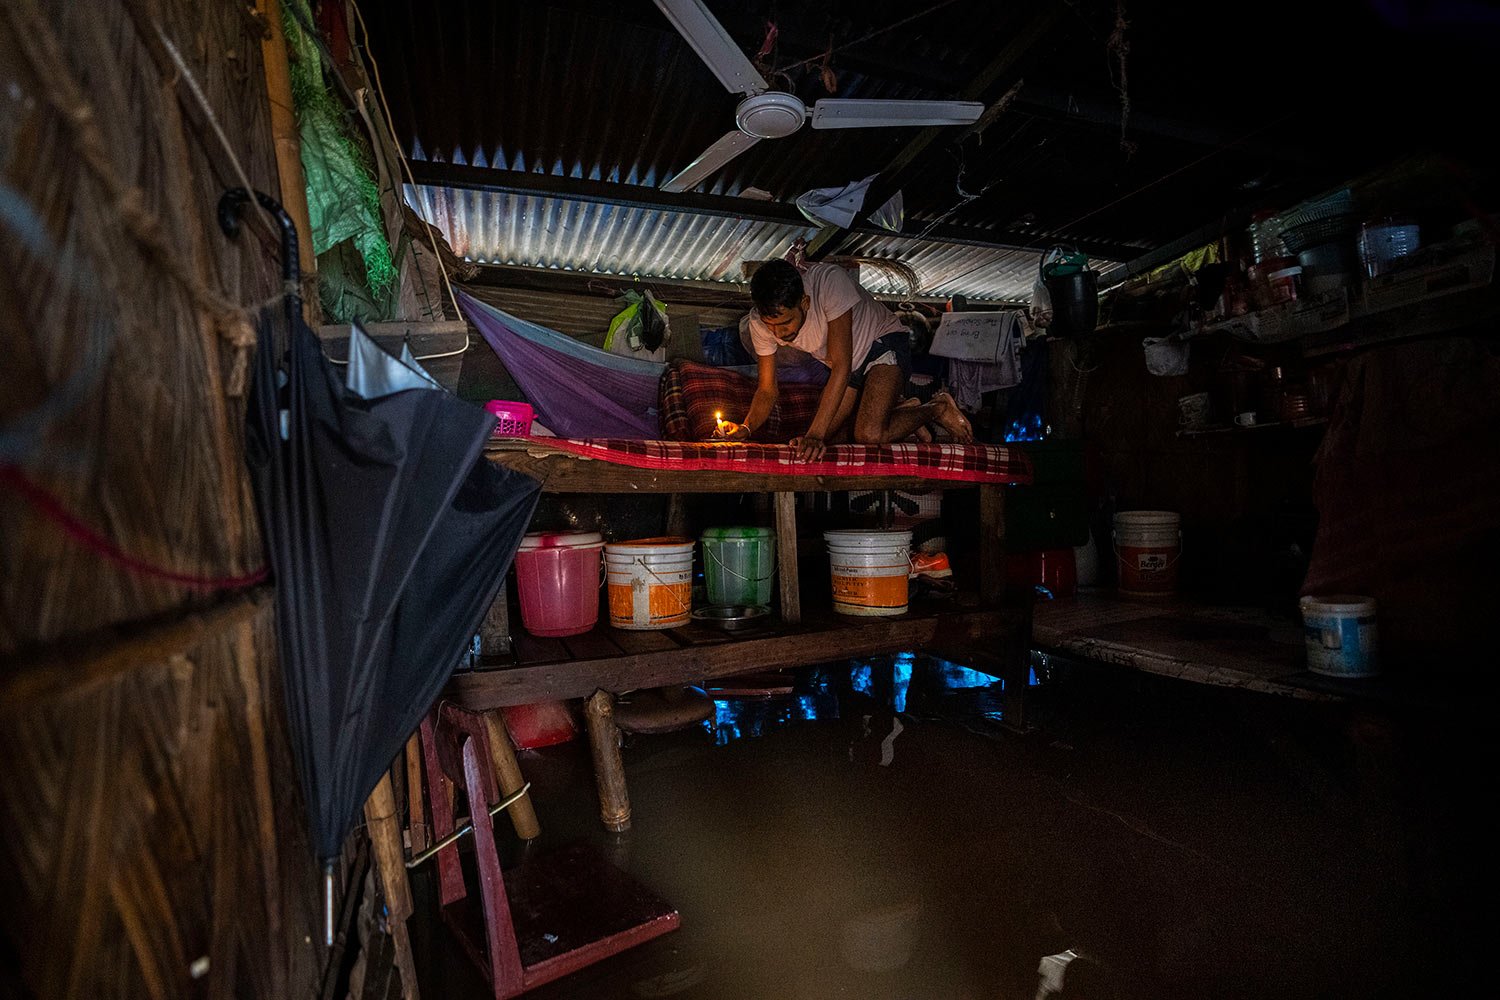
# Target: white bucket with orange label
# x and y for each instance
(1148, 545)
(869, 570)
(650, 582)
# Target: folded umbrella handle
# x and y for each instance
(231, 202)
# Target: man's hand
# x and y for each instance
(809, 448)
(730, 431)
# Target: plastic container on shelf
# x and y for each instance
(557, 581)
(1265, 237)
(512, 419)
(738, 565)
(650, 582)
(869, 571)
(1384, 242)
(1285, 285)
(1328, 267)
(1259, 277)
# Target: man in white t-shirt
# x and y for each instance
(826, 313)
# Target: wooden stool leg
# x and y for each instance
(440, 802)
(508, 774)
(390, 865)
(786, 555)
(506, 972)
(415, 810)
(609, 768)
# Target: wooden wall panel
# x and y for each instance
(152, 819)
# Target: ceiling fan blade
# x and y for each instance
(710, 160)
(714, 45)
(836, 113)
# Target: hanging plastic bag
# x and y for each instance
(640, 329)
(1040, 309)
(1166, 355)
(840, 206)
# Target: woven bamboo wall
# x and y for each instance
(150, 808)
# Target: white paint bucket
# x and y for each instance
(1341, 637)
(650, 582)
(1148, 544)
(869, 571)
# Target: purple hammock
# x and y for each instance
(580, 391)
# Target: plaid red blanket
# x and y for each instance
(971, 463)
(692, 393)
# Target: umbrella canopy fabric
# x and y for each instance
(389, 536)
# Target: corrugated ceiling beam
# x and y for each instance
(450, 175)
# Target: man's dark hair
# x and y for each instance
(776, 285)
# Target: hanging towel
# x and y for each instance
(984, 352)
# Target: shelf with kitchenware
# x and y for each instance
(1439, 288)
(1298, 423)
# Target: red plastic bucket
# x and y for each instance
(557, 580)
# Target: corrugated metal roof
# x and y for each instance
(606, 91)
(596, 238)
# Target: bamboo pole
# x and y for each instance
(508, 774)
(390, 866)
(609, 768)
(284, 134)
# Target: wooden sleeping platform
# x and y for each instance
(972, 628)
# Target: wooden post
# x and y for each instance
(1015, 652)
(609, 768)
(786, 555)
(677, 526)
(494, 631)
(991, 543)
(508, 774)
(390, 865)
(288, 142)
(416, 813)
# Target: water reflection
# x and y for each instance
(905, 683)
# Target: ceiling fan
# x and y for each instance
(774, 114)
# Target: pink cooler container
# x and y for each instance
(557, 580)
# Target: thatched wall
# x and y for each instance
(147, 796)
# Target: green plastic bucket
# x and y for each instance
(738, 565)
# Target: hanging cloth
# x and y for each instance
(581, 391)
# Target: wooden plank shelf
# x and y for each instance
(1301, 423)
(1223, 647)
(617, 660)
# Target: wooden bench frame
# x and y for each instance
(983, 633)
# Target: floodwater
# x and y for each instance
(880, 833)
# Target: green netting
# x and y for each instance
(343, 201)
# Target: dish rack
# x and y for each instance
(512, 419)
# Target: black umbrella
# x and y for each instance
(389, 536)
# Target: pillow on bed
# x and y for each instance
(692, 393)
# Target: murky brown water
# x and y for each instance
(1183, 842)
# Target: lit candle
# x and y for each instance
(719, 421)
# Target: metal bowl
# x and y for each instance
(733, 617)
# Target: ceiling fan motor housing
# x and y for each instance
(771, 115)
